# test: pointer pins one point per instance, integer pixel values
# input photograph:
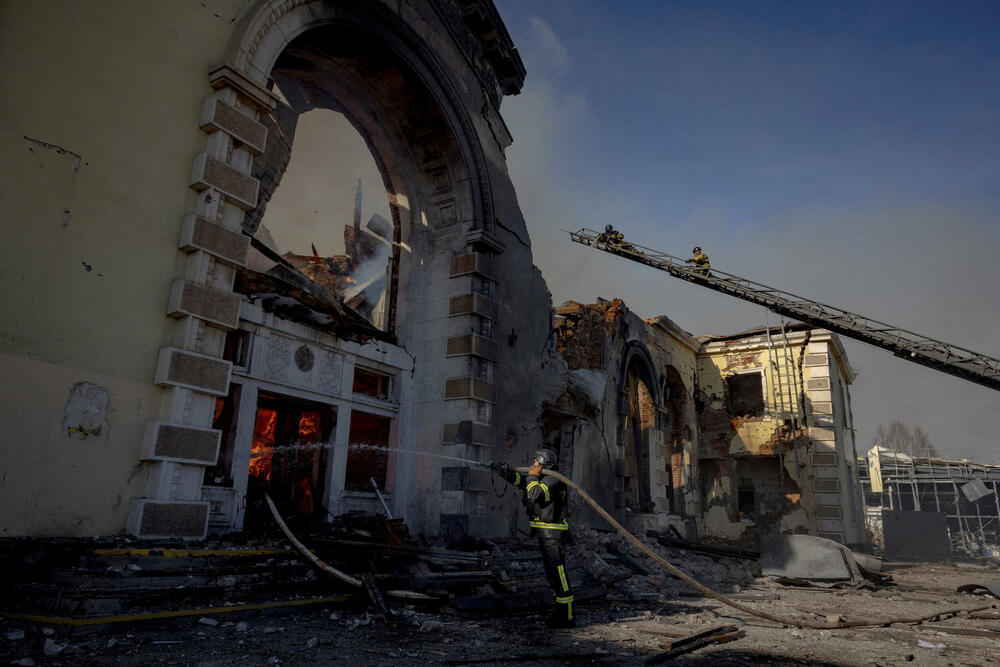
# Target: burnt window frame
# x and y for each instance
(740, 378)
(389, 384)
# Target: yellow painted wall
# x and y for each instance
(752, 435)
(121, 85)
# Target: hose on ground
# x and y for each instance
(701, 588)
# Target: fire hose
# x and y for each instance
(639, 544)
(701, 588)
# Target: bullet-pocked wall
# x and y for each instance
(137, 381)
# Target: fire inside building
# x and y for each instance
(273, 336)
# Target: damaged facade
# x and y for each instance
(724, 437)
(167, 361)
(172, 351)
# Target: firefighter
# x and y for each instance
(700, 260)
(610, 236)
(545, 500)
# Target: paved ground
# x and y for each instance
(616, 630)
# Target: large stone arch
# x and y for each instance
(637, 441)
(266, 31)
(416, 120)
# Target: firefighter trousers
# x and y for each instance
(554, 559)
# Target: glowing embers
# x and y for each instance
(288, 453)
(368, 456)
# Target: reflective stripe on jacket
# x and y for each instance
(545, 501)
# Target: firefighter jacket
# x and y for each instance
(545, 500)
(701, 259)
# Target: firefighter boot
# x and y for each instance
(562, 616)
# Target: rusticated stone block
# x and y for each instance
(470, 263)
(472, 304)
(458, 388)
(208, 303)
(227, 246)
(184, 444)
(180, 368)
(217, 115)
(165, 518)
(816, 360)
(818, 383)
(239, 188)
(458, 345)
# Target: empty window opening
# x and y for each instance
(746, 499)
(288, 455)
(371, 383)
(368, 454)
(237, 348)
(746, 395)
(330, 216)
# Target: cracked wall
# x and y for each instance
(634, 445)
(787, 466)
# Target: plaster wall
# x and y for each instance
(98, 124)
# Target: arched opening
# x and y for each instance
(677, 437)
(639, 422)
(362, 154)
(638, 427)
(368, 183)
(330, 219)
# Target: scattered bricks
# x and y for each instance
(205, 620)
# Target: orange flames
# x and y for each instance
(309, 427)
(350, 281)
(263, 440)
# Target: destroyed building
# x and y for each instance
(175, 345)
(165, 363)
(721, 436)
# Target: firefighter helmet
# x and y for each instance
(609, 228)
(696, 249)
(547, 458)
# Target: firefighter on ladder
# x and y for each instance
(545, 500)
(700, 260)
(611, 236)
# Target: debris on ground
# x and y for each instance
(259, 598)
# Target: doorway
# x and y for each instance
(288, 456)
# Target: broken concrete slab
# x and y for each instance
(808, 558)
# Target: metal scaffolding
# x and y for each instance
(936, 485)
(936, 354)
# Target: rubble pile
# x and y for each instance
(615, 562)
(98, 578)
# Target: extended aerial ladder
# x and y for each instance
(936, 354)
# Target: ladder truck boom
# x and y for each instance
(945, 357)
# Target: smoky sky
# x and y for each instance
(315, 198)
(846, 152)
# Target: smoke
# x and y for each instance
(872, 215)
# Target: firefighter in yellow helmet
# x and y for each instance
(545, 499)
(700, 260)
